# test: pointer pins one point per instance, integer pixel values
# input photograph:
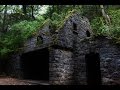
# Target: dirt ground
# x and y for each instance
(14, 81)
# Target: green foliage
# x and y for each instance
(23, 27)
(115, 16)
(99, 27)
(56, 18)
(4, 52)
(40, 18)
(18, 34)
(10, 42)
(47, 21)
(68, 15)
(115, 23)
(59, 19)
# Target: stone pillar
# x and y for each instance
(14, 66)
(61, 67)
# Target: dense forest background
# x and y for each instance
(20, 22)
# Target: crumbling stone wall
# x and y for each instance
(14, 68)
(70, 37)
(42, 39)
(45, 34)
(66, 33)
(67, 64)
(61, 67)
(80, 49)
(30, 44)
(109, 60)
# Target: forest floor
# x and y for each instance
(14, 81)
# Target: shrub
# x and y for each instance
(17, 35)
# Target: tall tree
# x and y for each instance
(4, 29)
(91, 11)
(32, 11)
(24, 7)
(51, 10)
(105, 15)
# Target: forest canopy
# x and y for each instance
(20, 22)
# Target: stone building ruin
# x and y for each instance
(68, 56)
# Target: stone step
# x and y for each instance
(36, 82)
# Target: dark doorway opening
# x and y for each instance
(93, 69)
(74, 26)
(3, 67)
(88, 33)
(40, 39)
(35, 65)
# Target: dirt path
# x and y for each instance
(13, 81)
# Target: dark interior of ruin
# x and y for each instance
(74, 26)
(35, 65)
(3, 66)
(93, 69)
(88, 33)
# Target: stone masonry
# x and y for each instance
(67, 50)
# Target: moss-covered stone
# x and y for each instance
(45, 23)
(70, 13)
(39, 42)
(55, 39)
(114, 40)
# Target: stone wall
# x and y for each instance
(41, 40)
(109, 60)
(80, 49)
(61, 67)
(45, 34)
(67, 60)
(71, 37)
(14, 68)
(66, 33)
(30, 44)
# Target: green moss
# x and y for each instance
(39, 42)
(70, 13)
(55, 39)
(47, 33)
(46, 22)
(116, 41)
(57, 25)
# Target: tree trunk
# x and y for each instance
(106, 17)
(4, 20)
(32, 8)
(58, 9)
(52, 8)
(24, 9)
(74, 6)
